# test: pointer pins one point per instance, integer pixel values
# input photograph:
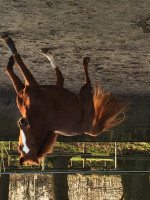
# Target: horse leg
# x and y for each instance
(59, 77)
(86, 61)
(86, 98)
(28, 77)
(17, 83)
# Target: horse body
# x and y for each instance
(65, 109)
(50, 110)
(53, 107)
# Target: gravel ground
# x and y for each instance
(72, 29)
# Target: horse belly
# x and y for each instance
(63, 109)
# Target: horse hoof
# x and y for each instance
(46, 51)
(4, 35)
(5, 38)
(86, 60)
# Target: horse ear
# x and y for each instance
(21, 161)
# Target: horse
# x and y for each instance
(50, 110)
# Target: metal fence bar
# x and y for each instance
(115, 155)
(113, 172)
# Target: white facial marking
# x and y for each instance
(53, 62)
(25, 148)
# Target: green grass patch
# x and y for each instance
(78, 159)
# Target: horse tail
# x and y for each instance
(107, 111)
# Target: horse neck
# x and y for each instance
(40, 128)
(41, 135)
(40, 132)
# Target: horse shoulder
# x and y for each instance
(30, 96)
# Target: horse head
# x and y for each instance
(27, 144)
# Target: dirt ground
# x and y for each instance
(120, 53)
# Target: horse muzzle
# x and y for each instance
(23, 122)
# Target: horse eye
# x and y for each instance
(32, 145)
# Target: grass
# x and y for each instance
(134, 148)
(79, 159)
(66, 147)
(95, 148)
(103, 149)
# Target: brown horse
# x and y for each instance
(50, 110)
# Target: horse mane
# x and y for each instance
(107, 111)
(47, 146)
